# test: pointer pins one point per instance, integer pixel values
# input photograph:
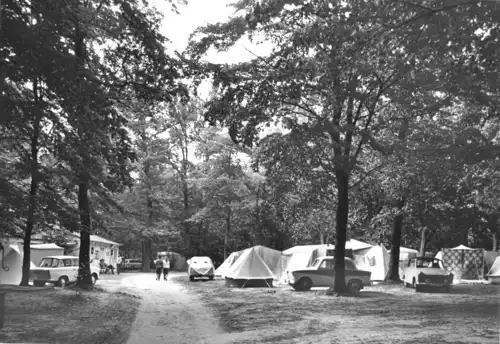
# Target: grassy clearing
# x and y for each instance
(61, 316)
(383, 314)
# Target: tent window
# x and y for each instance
(372, 261)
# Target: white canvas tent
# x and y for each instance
(494, 273)
(375, 260)
(249, 270)
(271, 257)
(224, 267)
(39, 251)
(12, 261)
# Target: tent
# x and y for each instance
(375, 260)
(39, 251)
(12, 261)
(271, 257)
(249, 270)
(494, 273)
(463, 261)
(489, 259)
(224, 267)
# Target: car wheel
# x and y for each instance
(354, 287)
(304, 284)
(39, 283)
(62, 282)
(94, 279)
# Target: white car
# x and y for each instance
(201, 267)
(59, 270)
(427, 272)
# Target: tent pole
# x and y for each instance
(243, 286)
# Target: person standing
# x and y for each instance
(159, 265)
(118, 264)
(166, 267)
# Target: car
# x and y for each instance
(201, 267)
(424, 272)
(321, 274)
(132, 264)
(59, 270)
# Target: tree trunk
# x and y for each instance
(423, 241)
(84, 277)
(393, 274)
(226, 234)
(495, 231)
(146, 253)
(339, 285)
(321, 238)
(33, 192)
(146, 242)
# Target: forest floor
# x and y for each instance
(68, 316)
(382, 314)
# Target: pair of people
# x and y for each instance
(162, 264)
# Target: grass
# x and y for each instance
(62, 316)
(382, 314)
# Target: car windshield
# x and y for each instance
(316, 262)
(49, 263)
(428, 263)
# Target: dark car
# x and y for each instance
(321, 274)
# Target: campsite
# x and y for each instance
(249, 171)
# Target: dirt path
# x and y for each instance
(168, 314)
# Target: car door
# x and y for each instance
(69, 269)
(325, 274)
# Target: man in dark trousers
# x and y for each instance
(159, 265)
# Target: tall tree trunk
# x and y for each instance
(339, 285)
(33, 190)
(393, 274)
(321, 238)
(495, 231)
(146, 241)
(423, 241)
(226, 234)
(146, 252)
(84, 277)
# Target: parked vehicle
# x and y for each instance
(321, 274)
(424, 272)
(132, 264)
(201, 267)
(59, 270)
